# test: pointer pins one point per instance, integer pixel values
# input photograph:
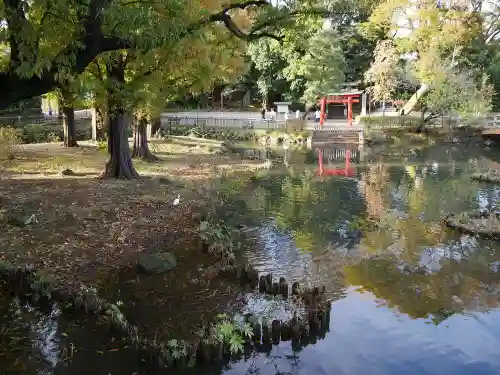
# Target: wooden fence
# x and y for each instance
(492, 121)
(222, 122)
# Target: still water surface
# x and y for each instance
(407, 295)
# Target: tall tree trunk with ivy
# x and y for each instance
(120, 163)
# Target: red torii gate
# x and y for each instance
(347, 171)
(340, 97)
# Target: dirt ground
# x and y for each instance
(92, 231)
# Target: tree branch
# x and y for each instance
(246, 4)
(40, 29)
(100, 75)
(431, 116)
(16, 22)
(231, 26)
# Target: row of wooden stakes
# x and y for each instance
(296, 330)
(300, 330)
(247, 275)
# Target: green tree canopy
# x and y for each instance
(435, 42)
(322, 66)
(46, 41)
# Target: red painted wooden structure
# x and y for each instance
(344, 98)
(347, 171)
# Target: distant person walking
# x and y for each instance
(317, 115)
(297, 114)
(263, 113)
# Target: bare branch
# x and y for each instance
(231, 26)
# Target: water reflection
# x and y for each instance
(374, 235)
(364, 335)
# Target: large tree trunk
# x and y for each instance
(140, 142)
(410, 105)
(120, 163)
(156, 126)
(67, 112)
(69, 126)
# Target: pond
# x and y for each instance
(407, 295)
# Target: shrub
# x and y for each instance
(34, 133)
(102, 144)
(389, 122)
(38, 133)
(10, 139)
(52, 137)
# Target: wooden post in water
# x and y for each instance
(262, 284)
(276, 331)
(286, 331)
(269, 282)
(257, 332)
(276, 289)
(327, 316)
(295, 327)
(283, 287)
(253, 275)
(266, 333)
(304, 331)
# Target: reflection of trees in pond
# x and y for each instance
(395, 230)
(467, 277)
(373, 182)
(309, 209)
(469, 283)
(406, 231)
(311, 157)
(409, 209)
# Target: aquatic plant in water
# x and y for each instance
(228, 334)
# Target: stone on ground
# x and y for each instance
(67, 172)
(157, 263)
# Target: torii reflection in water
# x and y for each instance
(346, 171)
